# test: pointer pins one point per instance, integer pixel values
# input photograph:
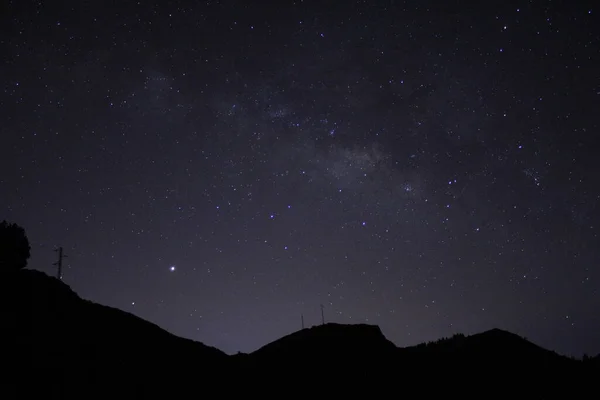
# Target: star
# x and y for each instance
(408, 178)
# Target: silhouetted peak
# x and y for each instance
(357, 331)
(497, 332)
(332, 339)
(501, 336)
(500, 344)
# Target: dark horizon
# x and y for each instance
(371, 334)
(60, 345)
(221, 169)
(327, 322)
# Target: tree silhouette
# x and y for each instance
(14, 247)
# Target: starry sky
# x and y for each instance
(221, 168)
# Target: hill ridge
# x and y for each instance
(69, 344)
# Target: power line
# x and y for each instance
(322, 315)
(59, 263)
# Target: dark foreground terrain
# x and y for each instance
(56, 345)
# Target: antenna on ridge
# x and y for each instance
(322, 315)
(302, 318)
(61, 255)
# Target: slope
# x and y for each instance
(54, 337)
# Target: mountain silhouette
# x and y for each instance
(69, 343)
(56, 344)
(496, 344)
(330, 340)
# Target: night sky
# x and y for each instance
(222, 167)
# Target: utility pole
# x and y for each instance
(61, 255)
(322, 315)
(302, 318)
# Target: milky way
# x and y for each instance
(221, 169)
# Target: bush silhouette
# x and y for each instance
(14, 247)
